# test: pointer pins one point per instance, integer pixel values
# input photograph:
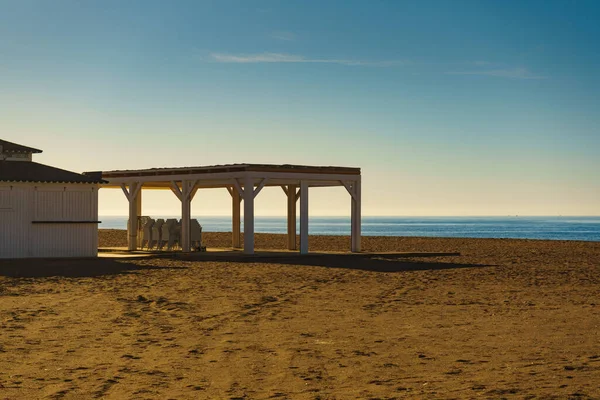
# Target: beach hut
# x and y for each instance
(45, 211)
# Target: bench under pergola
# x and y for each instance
(244, 182)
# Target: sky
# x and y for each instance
(448, 107)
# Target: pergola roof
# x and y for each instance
(232, 168)
(221, 175)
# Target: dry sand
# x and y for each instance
(506, 319)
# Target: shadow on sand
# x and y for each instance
(369, 262)
(92, 267)
(70, 268)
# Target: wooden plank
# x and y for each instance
(238, 187)
(355, 218)
(260, 186)
(248, 216)
(125, 191)
(236, 199)
(291, 217)
(176, 190)
(349, 188)
(303, 217)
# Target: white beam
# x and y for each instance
(236, 199)
(217, 184)
(176, 190)
(193, 190)
(133, 190)
(291, 216)
(221, 183)
(167, 178)
(185, 194)
(260, 186)
(186, 209)
(125, 191)
(303, 217)
(132, 223)
(302, 176)
(349, 188)
(276, 178)
(138, 213)
(248, 215)
(136, 190)
(356, 217)
(238, 187)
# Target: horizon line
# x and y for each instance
(386, 216)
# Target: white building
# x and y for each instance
(45, 211)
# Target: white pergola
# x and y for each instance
(243, 182)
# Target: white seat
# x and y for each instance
(175, 235)
(157, 233)
(195, 234)
(147, 233)
(168, 233)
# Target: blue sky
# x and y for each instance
(449, 107)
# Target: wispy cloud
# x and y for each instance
(482, 68)
(284, 35)
(512, 73)
(292, 58)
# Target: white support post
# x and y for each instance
(236, 199)
(132, 227)
(303, 217)
(186, 193)
(135, 206)
(248, 215)
(291, 216)
(186, 207)
(138, 213)
(355, 217)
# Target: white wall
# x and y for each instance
(23, 204)
(15, 221)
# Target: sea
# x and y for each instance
(515, 227)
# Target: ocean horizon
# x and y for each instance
(586, 228)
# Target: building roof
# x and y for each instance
(29, 171)
(10, 147)
(211, 169)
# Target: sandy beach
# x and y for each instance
(505, 319)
